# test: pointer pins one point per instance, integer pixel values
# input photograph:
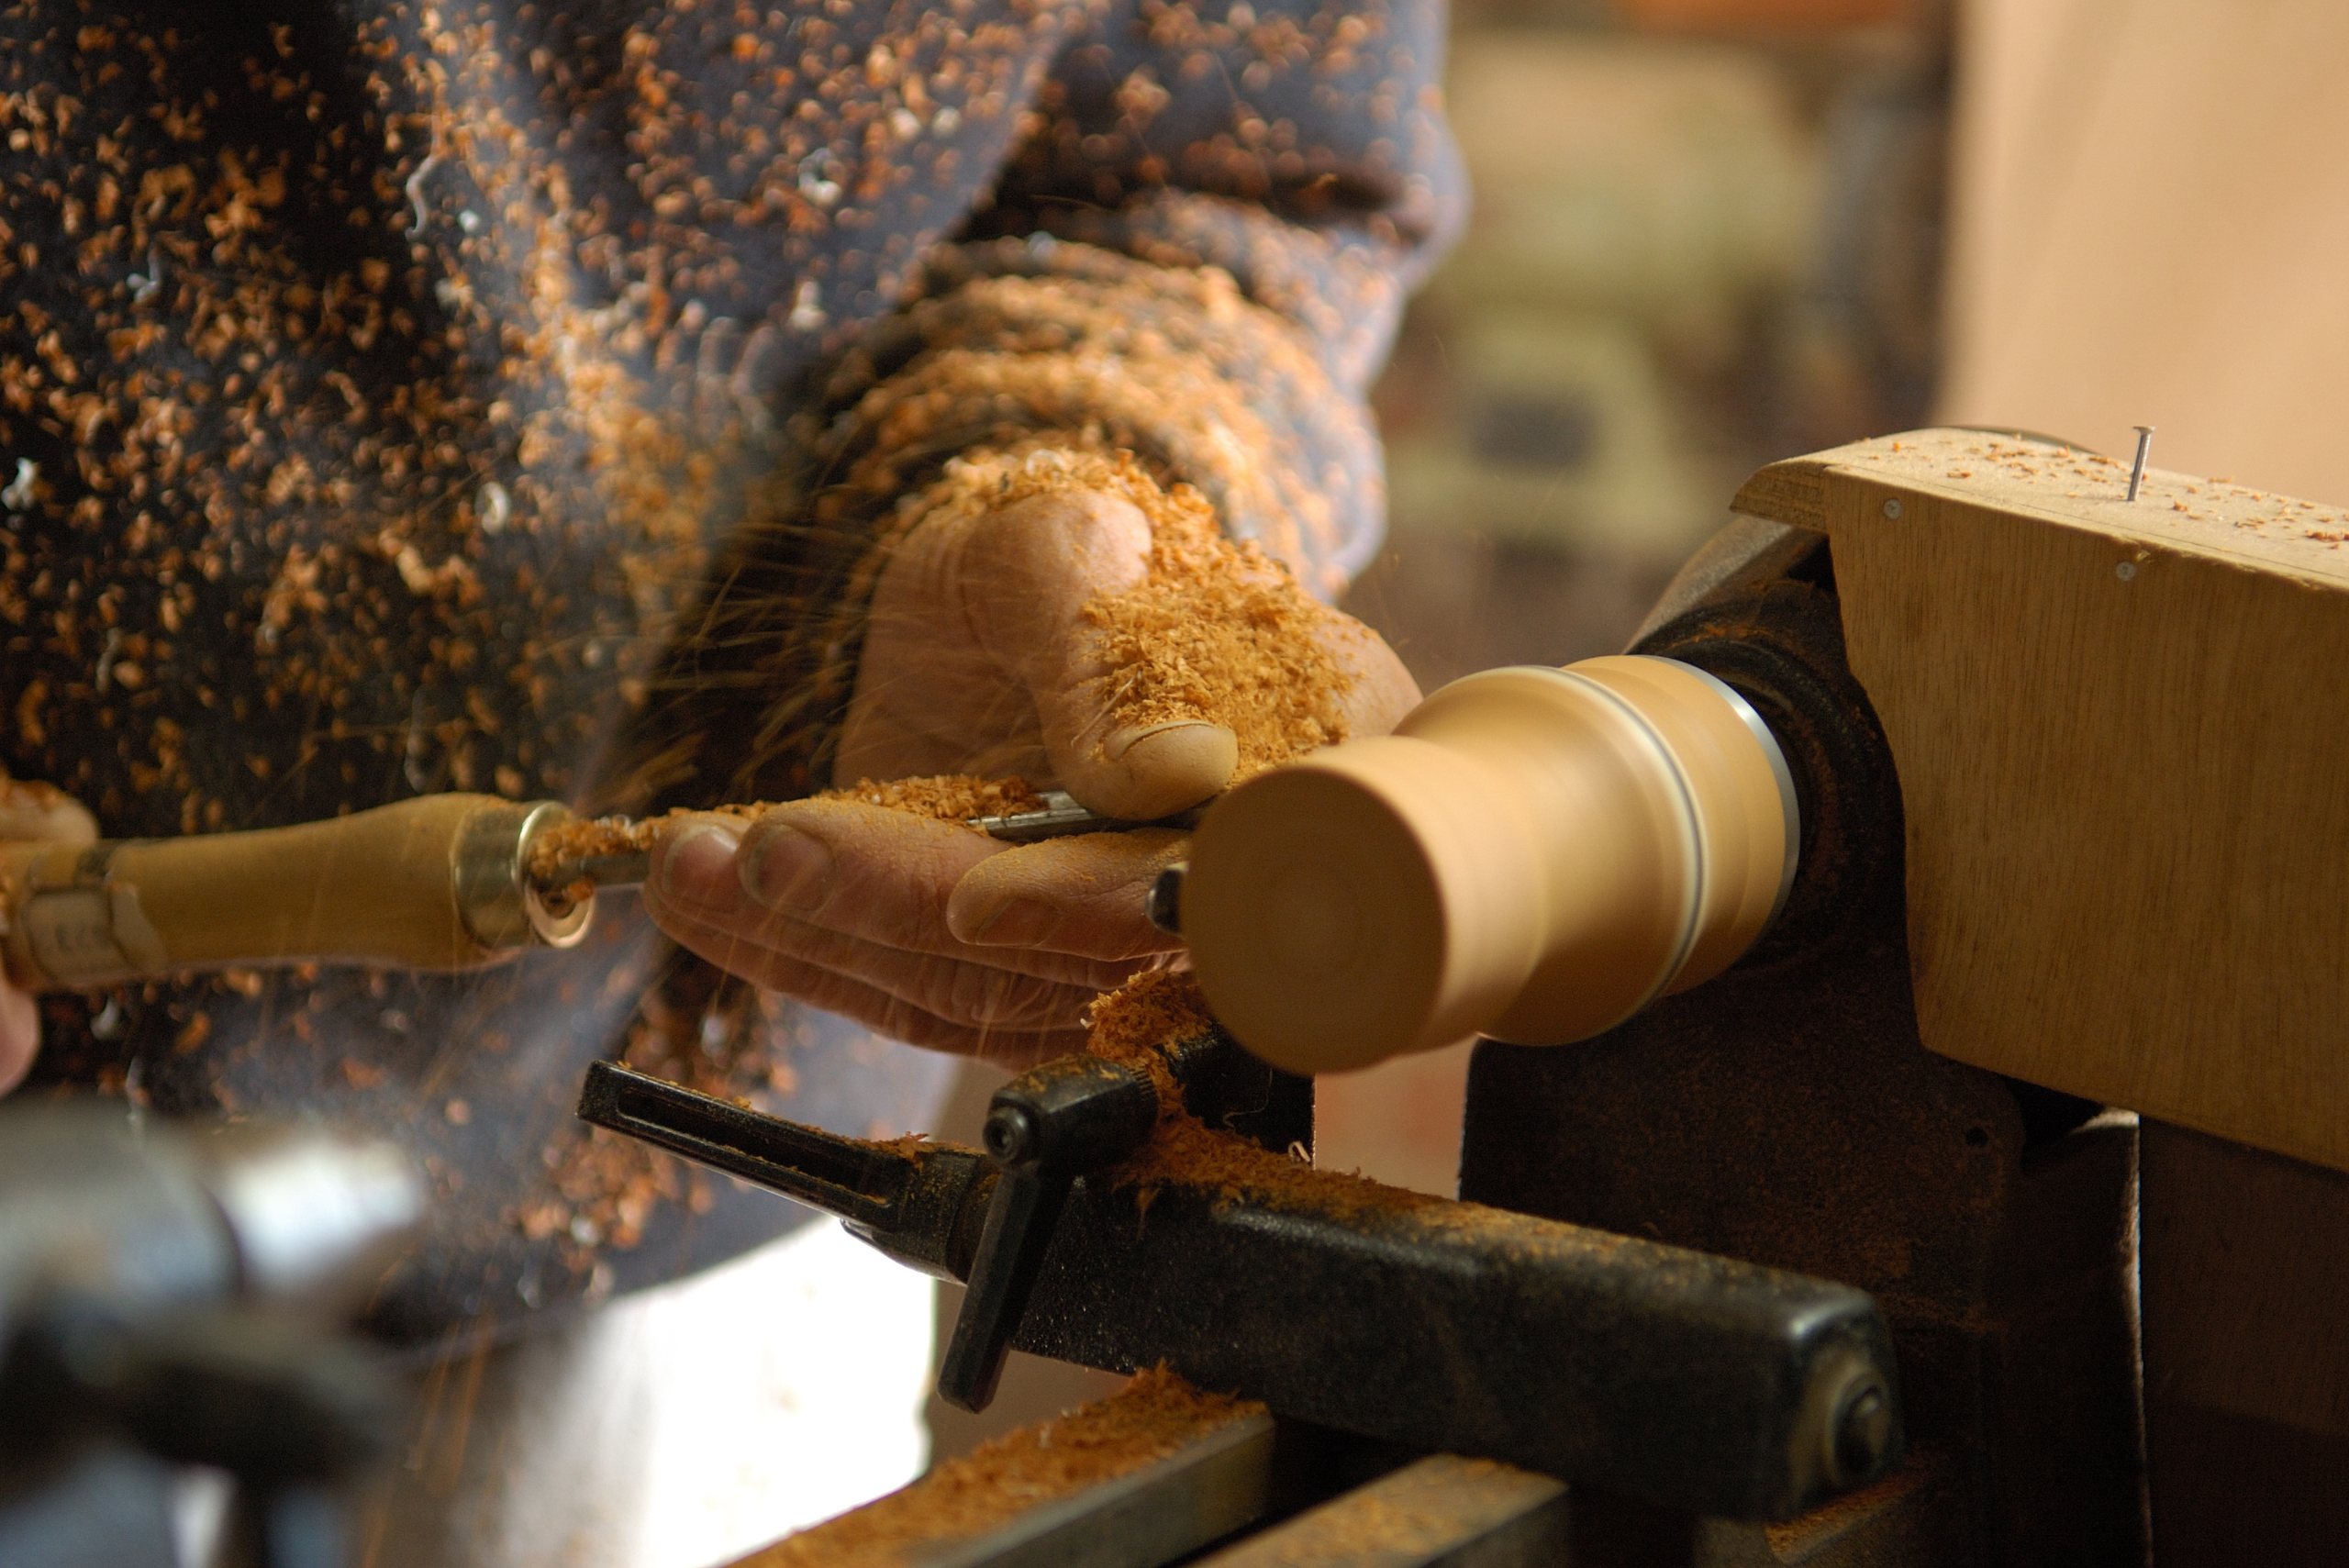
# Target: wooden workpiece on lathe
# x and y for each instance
(2122, 730)
(1534, 854)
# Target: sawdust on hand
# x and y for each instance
(1217, 629)
(1221, 631)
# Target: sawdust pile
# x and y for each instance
(949, 797)
(1132, 1026)
(1149, 1419)
(1216, 630)
(1221, 631)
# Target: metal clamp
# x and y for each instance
(489, 867)
(1044, 1130)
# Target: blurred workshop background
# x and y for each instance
(1709, 234)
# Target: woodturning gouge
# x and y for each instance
(442, 882)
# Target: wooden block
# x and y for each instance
(2120, 734)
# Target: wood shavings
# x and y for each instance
(1150, 1419)
(1221, 631)
(1216, 630)
(946, 798)
(1131, 1026)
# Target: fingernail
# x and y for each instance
(1021, 923)
(790, 869)
(699, 869)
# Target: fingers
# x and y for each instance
(1081, 895)
(32, 811)
(860, 870)
(897, 1018)
(1138, 774)
(1381, 691)
(968, 994)
(43, 811)
(848, 907)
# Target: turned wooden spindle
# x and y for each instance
(1534, 854)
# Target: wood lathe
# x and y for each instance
(1911, 1119)
(1960, 839)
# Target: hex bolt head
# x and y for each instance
(1863, 1427)
(1011, 1135)
(1162, 905)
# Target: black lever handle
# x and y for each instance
(911, 1204)
(1045, 1129)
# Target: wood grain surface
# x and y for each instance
(377, 888)
(2119, 731)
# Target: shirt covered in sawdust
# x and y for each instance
(408, 398)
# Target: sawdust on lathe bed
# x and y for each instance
(1149, 1419)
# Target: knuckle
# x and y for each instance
(979, 994)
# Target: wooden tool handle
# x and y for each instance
(433, 882)
(1533, 854)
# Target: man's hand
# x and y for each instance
(31, 812)
(978, 660)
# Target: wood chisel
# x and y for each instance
(442, 882)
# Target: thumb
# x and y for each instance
(1031, 572)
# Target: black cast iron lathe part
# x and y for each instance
(922, 1204)
(1692, 1381)
(1045, 1129)
(925, 1203)
(938, 1208)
